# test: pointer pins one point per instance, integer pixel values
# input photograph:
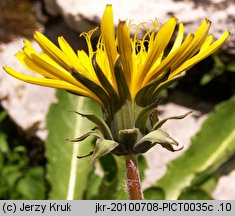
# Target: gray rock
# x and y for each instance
(26, 104)
(82, 15)
(225, 189)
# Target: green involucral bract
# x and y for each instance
(120, 135)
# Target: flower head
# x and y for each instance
(124, 74)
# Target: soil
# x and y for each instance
(16, 19)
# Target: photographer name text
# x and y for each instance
(25, 207)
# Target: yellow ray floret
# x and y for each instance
(142, 67)
(60, 84)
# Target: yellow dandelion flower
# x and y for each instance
(145, 65)
(124, 74)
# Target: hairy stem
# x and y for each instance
(133, 178)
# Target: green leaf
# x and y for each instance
(231, 67)
(32, 185)
(93, 187)
(154, 193)
(11, 173)
(113, 182)
(209, 184)
(212, 74)
(121, 193)
(3, 116)
(3, 136)
(194, 194)
(142, 164)
(210, 148)
(218, 68)
(68, 175)
(4, 148)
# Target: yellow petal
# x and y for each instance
(108, 37)
(51, 83)
(203, 54)
(51, 49)
(103, 63)
(124, 46)
(68, 51)
(159, 44)
(179, 38)
(81, 62)
(27, 62)
(52, 67)
(85, 66)
(199, 38)
(29, 46)
(169, 60)
(207, 43)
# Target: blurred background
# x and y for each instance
(24, 107)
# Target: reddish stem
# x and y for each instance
(133, 179)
